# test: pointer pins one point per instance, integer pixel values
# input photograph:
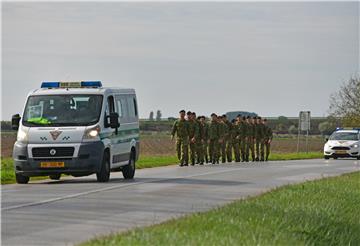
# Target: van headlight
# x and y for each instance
(92, 133)
(23, 135)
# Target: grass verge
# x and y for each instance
(8, 176)
(322, 212)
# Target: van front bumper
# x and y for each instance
(87, 161)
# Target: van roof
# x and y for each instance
(64, 91)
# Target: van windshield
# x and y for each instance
(350, 136)
(62, 110)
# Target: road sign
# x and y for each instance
(304, 120)
(304, 125)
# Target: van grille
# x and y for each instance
(340, 148)
(60, 152)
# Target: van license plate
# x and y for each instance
(340, 152)
(52, 164)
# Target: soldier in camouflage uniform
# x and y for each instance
(268, 136)
(243, 128)
(260, 139)
(250, 139)
(201, 141)
(259, 136)
(206, 138)
(181, 130)
(213, 138)
(228, 139)
(235, 139)
(193, 136)
(223, 131)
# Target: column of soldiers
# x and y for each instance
(199, 142)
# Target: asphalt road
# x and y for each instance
(72, 210)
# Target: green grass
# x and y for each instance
(295, 156)
(323, 212)
(8, 176)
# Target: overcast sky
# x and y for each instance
(270, 58)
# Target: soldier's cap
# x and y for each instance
(259, 118)
(248, 117)
(239, 115)
(244, 118)
(193, 113)
(203, 117)
(224, 116)
(188, 113)
(182, 111)
(213, 114)
(264, 119)
(199, 117)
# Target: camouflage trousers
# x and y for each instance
(192, 147)
(250, 148)
(213, 150)
(236, 149)
(259, 147)
(229, 150)
(243, 149)
(182, 146)
(200, 151)
(267, 148)
(223, 151)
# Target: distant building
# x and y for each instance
(232, 115)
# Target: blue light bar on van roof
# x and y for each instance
(50, 84)
(91, 84)
(77, 84)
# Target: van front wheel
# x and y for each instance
(20, 179)
(129, 170)
(104, 174)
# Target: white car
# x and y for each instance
(343, 143)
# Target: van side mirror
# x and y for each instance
(114, 121)
(15, 121)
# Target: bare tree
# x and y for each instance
(158, 115)
(151, 116)
(345, 103)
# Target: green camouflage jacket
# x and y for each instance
(180, 128)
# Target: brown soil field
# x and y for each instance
(161, 144)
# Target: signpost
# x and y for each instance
(304, 126)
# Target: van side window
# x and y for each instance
(119, 108)
(111, 105)
(131, 107)
(110, 108)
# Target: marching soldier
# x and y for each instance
(235, 139)
(250, 139)
(213, 138)
(206, 138)
(228, 138)
(243, 132)
(268, 136)
(259, 138)
(193, 136)
(201, 143)
(181, 130)
(223, 131)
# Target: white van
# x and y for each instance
(77, 128)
